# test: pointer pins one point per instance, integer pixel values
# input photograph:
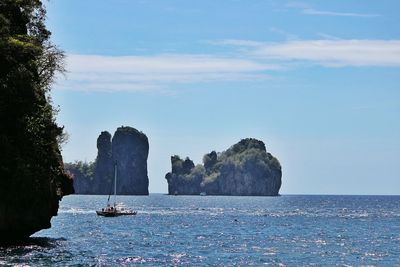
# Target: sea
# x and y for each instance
(289, 230)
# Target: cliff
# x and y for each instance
(32, 177)
(103, 172)
(27, 206)
(129, 148)
(245, 169)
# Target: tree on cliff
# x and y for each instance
(31, 169)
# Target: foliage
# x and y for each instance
(30, 158)
(211, 177)
(196, 173)
(83, 169)
(181, 166)
(247, 161)
(130, 131)
(209, 160)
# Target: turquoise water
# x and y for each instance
(219, 231)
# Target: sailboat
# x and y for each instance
(117, 209)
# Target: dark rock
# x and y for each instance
(181, 180)
(27, 206)
(245, 169)
(32, 177)
(104, 167)
(129, 148)
(83, 174)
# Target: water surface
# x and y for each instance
(289, 230)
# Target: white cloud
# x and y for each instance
(235, 42)
(308, 10)
(311, 11)
(163, 64)
(333, 53)
(251, 61)
(137, 73)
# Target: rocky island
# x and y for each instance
(245, 169)
(129, 149)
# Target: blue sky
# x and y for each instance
(317, 81)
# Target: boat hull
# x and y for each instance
(114, 214)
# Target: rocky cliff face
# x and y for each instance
(129, 149)
(245, 169)
(32, 178)
(182, 179)
(104, 168)
(27, 206)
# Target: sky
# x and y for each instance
(317, 81)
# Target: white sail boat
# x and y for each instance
(117, 209)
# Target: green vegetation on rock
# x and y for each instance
(83, 173)
(129, 148)
(246, 168)
(32, 177)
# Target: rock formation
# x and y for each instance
(129, 149)
(32, 177)
(245, 169)
(182, 179)
(104, 168)
(83, 174)
(27, 206)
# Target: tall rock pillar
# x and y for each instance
(104, 170)
(130, 149)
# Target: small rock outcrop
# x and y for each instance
(182, 179)
(129, 149)
(245, 169)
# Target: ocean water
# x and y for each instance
(291, 230)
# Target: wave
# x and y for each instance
(75, 211)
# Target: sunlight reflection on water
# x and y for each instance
(219, 231)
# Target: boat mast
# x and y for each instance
(115, 183)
